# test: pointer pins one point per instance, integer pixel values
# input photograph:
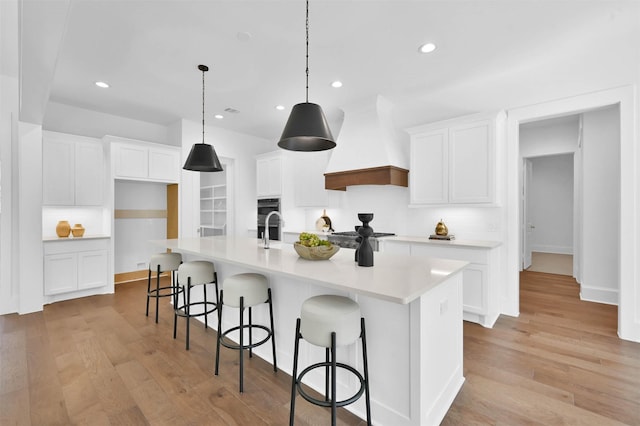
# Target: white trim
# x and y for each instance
(628, 291)
(599, 295)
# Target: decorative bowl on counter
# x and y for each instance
(315, 253)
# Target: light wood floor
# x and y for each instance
(551, 263)
(100, 361)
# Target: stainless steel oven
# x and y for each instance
(266, 206)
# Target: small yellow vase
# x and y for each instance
(63, 229)
(77, 230)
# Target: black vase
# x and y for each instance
(364, 252)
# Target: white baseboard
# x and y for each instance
(599, 295)
(552, 249)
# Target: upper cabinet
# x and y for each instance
(453, 162)
(269, 174)
(73, 170)
(138, 160)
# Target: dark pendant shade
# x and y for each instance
(306, 130)
(203, 158)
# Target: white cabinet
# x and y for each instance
(73, 170)
(453, 162)
(480, 289)
(269, 175)
(144, 161)
(71, 266)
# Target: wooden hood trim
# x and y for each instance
(385, 175)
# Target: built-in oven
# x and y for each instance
(266, 206)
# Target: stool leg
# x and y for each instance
(157, 291)
(366, 370)
(333, 379)
(327, 373)
(206, 323)
(294, 374)
(148, 290)
(250, 333)
(187, 310)
(273, 333)
(241, 342)
(219, 330)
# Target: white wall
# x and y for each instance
(79, 121)
(601, 205)
(239, 147)
(551, 204)
(132, 249)
(550, 136)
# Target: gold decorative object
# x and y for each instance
(441, 228)
(63, 229)
(77, 230)
(315, 253)
(324, 223)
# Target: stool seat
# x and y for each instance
(191, 274)
(244, 291)
(330, 321)
(163, 262)
(321, 315)
(253, 287)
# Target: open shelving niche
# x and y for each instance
(213, 204)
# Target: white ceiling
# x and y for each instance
(491, 55)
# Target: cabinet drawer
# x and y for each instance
(447, 252)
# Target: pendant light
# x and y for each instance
(307, 128)
(203, 157)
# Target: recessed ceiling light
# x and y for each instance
(336, 84)
(102, 84)
(280, 107)
(427, 48)
(219, 116)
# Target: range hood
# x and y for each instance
(370, 150)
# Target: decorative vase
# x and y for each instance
(63, 229)
(77, 230)
(364, 252)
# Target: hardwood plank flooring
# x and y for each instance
(100, 361)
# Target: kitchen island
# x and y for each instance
(412, 307)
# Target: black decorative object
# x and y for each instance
(364, 252)
(307, 128)
(203, 157)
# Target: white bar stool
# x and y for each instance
(191, 274)
(330, 321)
(163, 262)
(245, 291)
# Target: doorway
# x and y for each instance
(624, 210)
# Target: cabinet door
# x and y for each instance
(60, 273)
(164, 165)
(471, 163)
(58, 172)
(474, 293)
(269, 177)
(131, 161)
(92, 269)
(428, 179)
(89, 181)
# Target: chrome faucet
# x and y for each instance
(265, 234)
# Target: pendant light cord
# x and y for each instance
(307, 29)
(203, 70)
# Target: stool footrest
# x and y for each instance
(236, 346)
(325, 402)
(181, 312)
(156, 292)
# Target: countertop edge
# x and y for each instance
(478, 244)
(70, 238)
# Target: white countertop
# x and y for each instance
(453, 243)
(72, 238)
(399, 279)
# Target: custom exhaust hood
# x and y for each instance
(370, 150)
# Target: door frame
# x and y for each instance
(629, 284)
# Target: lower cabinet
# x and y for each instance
(480, 291)
(73, 265)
